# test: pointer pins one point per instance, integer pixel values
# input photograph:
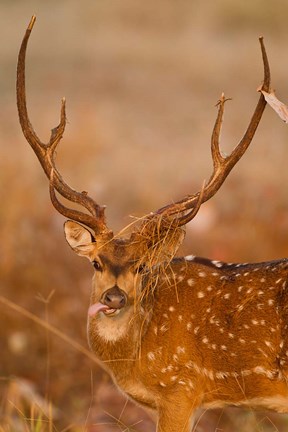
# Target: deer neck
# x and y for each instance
(117, 340)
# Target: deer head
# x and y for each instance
(121, 263)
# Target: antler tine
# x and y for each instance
(222, 165)
(76, 215)
(46, 153)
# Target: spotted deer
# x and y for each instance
(175, 334)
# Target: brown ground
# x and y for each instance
(141, 80)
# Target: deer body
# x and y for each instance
(175, 333)
(210, 334)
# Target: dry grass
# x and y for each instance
(141, 80)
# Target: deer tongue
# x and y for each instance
(95, 308)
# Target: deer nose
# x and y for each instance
(114, 298)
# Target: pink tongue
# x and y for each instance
(95, 308)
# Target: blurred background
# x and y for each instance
(141, 79)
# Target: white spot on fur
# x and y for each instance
(151, 356)
(208, 373)
(260, 370)
(218, 264)
(190, 383)
(163, 328)
(263, 322)
(246, 372)
(180, 350)
(212, 319)
(268, 344)
(189, 257)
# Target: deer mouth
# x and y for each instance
(95, 308)
(111, 302)
(111, 312)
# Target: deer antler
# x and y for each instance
(163, 220)
(222, 165)
(46, 155)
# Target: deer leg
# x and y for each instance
(176, 416)
(169, 422)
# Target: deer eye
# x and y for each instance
(97, 265)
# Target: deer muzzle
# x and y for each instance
(111, 302)
(114, 298)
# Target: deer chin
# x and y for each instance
(95, 308)
(111, 312)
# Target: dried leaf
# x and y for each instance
(279, 107)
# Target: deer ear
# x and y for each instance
(79, 238)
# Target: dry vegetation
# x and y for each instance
(141, 80)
